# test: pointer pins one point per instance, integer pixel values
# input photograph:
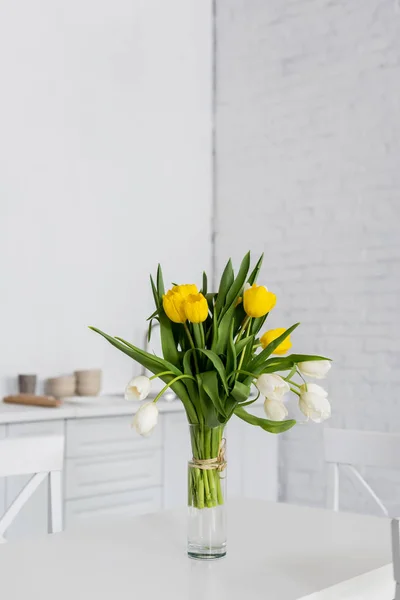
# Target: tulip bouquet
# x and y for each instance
(212, 355)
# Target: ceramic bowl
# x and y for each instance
(88, 382)
(61, 387)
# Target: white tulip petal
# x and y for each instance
(315, 368)
(315, 407)
(314, 388)
(138, 388)
(272, 386)
(145, 419)
(275, 410)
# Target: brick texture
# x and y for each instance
(308, 171)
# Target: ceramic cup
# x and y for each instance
(27, 384)
(61, 387)
(88, 382)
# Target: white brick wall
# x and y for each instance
(308, 170)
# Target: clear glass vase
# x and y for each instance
(207, 493)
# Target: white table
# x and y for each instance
(275, 552)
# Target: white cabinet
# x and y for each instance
(2, 479)
(32, 520)
(109, 469)
(176, 454)
(106, 436)
(131, 503)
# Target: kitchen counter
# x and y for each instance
(80, 407)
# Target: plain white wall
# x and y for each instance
(308, 148)
(105, 169)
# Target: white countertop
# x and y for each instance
(79, 407)
(275, 552)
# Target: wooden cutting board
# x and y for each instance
(33, 400)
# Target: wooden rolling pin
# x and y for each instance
(33, 400)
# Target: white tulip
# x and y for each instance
(314, 402)
(313, 388)
(138, 388)
(315, 368)
(275, 410)
(146, 418)
(272, 386)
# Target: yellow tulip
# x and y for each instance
(271, 335)
(196, 308)
(186, 289)
(173, 304)
(257, 300)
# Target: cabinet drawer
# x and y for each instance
(133, 503)
(32, 429)
(92, 476)
(105, 435)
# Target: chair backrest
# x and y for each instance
(40, 457)
(362, 448)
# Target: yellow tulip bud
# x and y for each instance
(196, 308)
(186, 289)
(173, 304)
(257, 300)
(271, 335)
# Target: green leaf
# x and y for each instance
(296, 358)
(155, 293)
(156, 365)
(231, 362)
(152, 316)
(257, 323)
(239, 282)
(250, 401)
(240, 391)
(160, 283)
(216, 361)
(220, 340)
(170, 351)
(204, 286)
(267, 425)
(210, 384)
(149, 330)
(243, 343)
(210, 413)
(260, 358)
(254, 274)
(227, 280)
(285, 363)
(191, 386)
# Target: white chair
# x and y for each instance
(346, 448)
(40, 457)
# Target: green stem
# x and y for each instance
(246, 320)
(170, 384)
(292, 372)
(293, 383)
(199, 335)
(295, 392)
(244, 373)
(205, 484)
(161, 374)
(191, 342)
(298, 373)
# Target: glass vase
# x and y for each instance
(207, 493)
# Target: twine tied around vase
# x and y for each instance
(212, 464)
